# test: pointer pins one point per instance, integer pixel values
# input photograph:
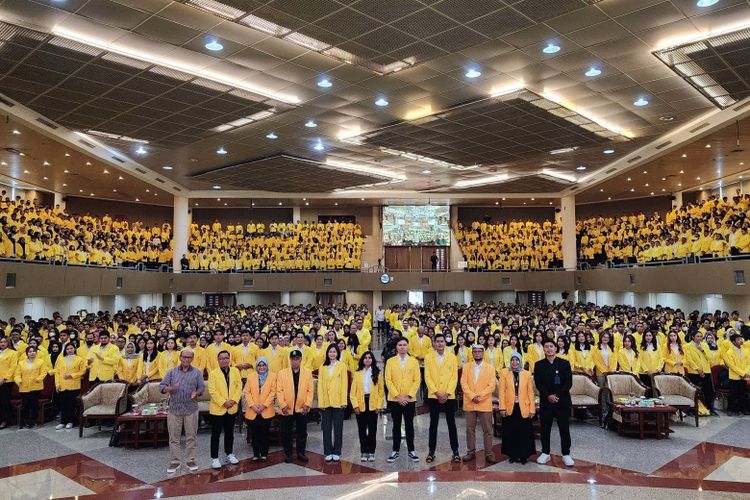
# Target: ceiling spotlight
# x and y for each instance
(679, 184)
(647, 184)
(16, 131)
(88, 163)
(593, 72)
(601, 190)
(645, 171)
(167, 167)
(45, 163)
(137, 199)
(310, 124)
(141, 150)
(609, 197)
(652, 193)
(632, 190)
(280, 203)
(216, 186)
(221, 151)
(706, 3)
(105, 171)
(628, 179)
(361, 199)
(551, 48)
(473, 73)
(271, 135)
(325, 83)
(336, 203)
(214, 46)
(708, 145)
(114, 190)
(91, 194)
(67, 154)
(608, 151)
(664, 178)
(426, 171)
(697, 178)
(307, 203)
(581, 167)
(497, 203)
(65, 185)
(45, 178)
(382, 102)
(252, 204)
(119, 178)
(684, 155)
(26, 172)
(666, 118)
(640, 102)
(319, 146)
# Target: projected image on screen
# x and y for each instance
(416, 225)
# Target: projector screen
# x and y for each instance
(416, 225)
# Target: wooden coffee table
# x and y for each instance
(137, 429)
(643, 421)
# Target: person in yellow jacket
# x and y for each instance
(214, 348)
(130, 365)
(367, 397)
(199, 353)
(8, 363)
(604, 357)
(69, 370)
(737, 360)
(333, 385)
(627, 357)
(478, 384)
(674, 355)
(260, 391)
(698, 367)
(168, 358)
(517, 405)
(149, 363)
(29, 377)
(581, 359)
(225, 389)
(402, 379)
(244, 354)
(494, 355)
(650, 360)
(441, 378)
(102, 360)
(295, 401)
(278, 356)
(535, 351)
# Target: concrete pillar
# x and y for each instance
(181, 230)
(677, 199)
(468, 297)
(296, 215)
(286, 298)
(377, 300)
(568, 221)
(59, 201)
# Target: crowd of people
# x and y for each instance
(279, 358)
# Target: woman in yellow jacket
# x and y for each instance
(650, 359)
(149, 363)
(168, 358)
(674, 355)
(260, 391)
(367, 397)
(517, 407)
(713, 351)
(604, 357)
(30, 375)
(627, 357)
(535, 351)
(69, 369)
(514, 345)
(698, 369)
(130, 365)
(333, 385)
(8, 363)
(581, 359)
(345, 356)
(737, 360)
(493, 355)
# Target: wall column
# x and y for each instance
(296, 217)
(568, 221)
(59, 200)
(468, 297)
(677, 199)
(377, 301)
(286, 298)
(180, 229)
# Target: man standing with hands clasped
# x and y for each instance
(225, 387)
(183, 383)
(294, 393)
(554, 378)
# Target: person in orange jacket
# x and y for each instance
(295, 401)
(478, 384)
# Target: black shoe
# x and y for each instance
(512, 460)
(288, 459)
(714, 413)
(302, 457)
(523, 461)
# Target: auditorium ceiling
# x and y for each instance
(466, 100)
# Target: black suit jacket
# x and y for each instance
(544, 378)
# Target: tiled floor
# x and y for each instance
(44, 463)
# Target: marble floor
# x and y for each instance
(712, 459)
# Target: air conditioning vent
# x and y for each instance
(702, 125)
(140, 170)
(118, 159)
(634, 159)
(47, 123)
(160, 180)
(87, 144)
(663, 145)
(610, 171)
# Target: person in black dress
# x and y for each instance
(517, 407)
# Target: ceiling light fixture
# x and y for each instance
(473, 73)
(319, 146)
(640, 102)
(358, 167)
(310, 124)
(67, 154)
(506, 90)
(559, 175)
(564, 150)
(141, 150)
(706, 3)
(325, 83)
(426, 171)
(593, 71)
(214, 46)
(221, 151)
(608, 151)
(171, 63)
(382, 102)
(708, 145)
(493, 179)
(666, 118)
(551, 48)
(581, 167)
(216, 186)
(16, 131)
(167, 167)
(271, 135)
(45, 163)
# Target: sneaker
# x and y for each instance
(329, 458)
(568, 460)
(364, 457)
(543, 458)
(371, 457)
(68, 426)
(215, 464)
(336, 458)
(59, 427)
(392, 457)
(173, 467)
(192, 466)
(232, 459)
(413, 456)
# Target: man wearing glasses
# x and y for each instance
(184, 383)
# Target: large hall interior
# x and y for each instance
(305, 224)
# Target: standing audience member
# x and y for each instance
(260, 391)
(441, 377)
(30, 375)
(69, 369)
(333, 383)
(225, 388)
(517, 392)
(554, 378)
(8, 363)
(294, 393)
(738, 362)
(402, 380)
(478, 385)
(367, 397)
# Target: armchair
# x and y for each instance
(678, 392)
(622, 385)
(149, 393)
(586, 394)
(105, 401)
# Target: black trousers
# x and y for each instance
(67, 401)
(367, 425)
(29, 407)
(407, 413)
(707, 387)
(221, 423)
(261, 427)
(288, 422)
(737, 389)
(6, 410)
(449, 408)
(547, 414)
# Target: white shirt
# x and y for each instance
(605, 354)
(366, 380)
(402, 361)
(440, 358)
(477, 369)
(331, 367)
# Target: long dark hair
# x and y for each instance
(155, 352)
(632, 344)
(327, 361)
(374, 367)
(654, 341)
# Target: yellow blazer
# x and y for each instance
(627, 363)
(697, 360)
(31, 378)
(738, 363)
(497, 361)
(671, 358)
(129, 369)
(241, 357)
(221, 393)
(650, 361)
(277, 360)
(150, 370)
(8, 363)
(104, 369)
(581, 361)
(76, 369)
(255, 396)
(402, 381)
(168, 360)
(212, 355)
(333, 386)
(199, 358)
(532, 356)
(600, 365)
(315, 358)
(419, 347)
(441, 377)
(357, 395)
(483, 387)
(507, 392)
(285, 390)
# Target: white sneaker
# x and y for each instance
(568, 460)
(392, 457)
(363, 458)
(215, 464)
(329, 458)
(232, 459)
(68, 426)
(59, 427)
(173, 467)
(371, 457)
(336, 458)
(543, 458)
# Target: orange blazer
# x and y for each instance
(254, 396)
(285, 390)
(483, 387)
(507, 393)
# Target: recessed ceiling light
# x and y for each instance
(601, 190)
(196, 203)
(426, 171)
(666, 118)
(307, 203)
(105, 171)
(662, 190)
(119, 178)
(581, 167)
(3, 163)
(706, 3)
(216, 186)
(697, 178)
(45, 178)
(148, 190)
(652, 193)
(310, 124)
(382, 102)
(336, 203)
(114, 190)
(21, 154)
(532, 199)
(218, 199)
(88, 163)
(271, 135)
(80, 190)
(280, 203)
(682, 171)
(214, 46)
(497, 203)
(16, 131)
(141, 150)
(221, 151)
(67, 154)
(632, 190)
(252, 204)
(91, 194)
(628, 179)
(664, 178)
(319, 146)
(645, 171)
(640, 102)
(551, 48)
(324, 83)
(473, 73)
(550, 203)
(26, 172)
(524, 203)
(608, 151)
(679, 184)
(225, 204)
(137, 199)
(65, 185)
(647, 184)
(742, 163)
(609, 197)
(503, 198)
(708, 145)
(593, 71)
(45, 163)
